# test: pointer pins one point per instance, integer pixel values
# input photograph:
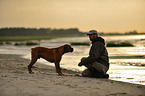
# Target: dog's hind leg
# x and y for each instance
(34, 57)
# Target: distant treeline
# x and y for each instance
(38, 32)
(49, 31)
(134, 32)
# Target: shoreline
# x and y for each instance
(15, 80)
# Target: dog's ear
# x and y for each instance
(65, 47)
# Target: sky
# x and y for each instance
(101, 15)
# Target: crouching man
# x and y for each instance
(97, 62)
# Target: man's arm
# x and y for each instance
(94, 54)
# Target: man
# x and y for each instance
(97, 62)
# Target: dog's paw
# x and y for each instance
(60, 74)
(31, 72)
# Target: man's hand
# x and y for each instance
(80, 64)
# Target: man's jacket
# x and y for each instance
(97, 53)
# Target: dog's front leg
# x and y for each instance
(58, 69)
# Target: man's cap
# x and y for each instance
(92, 32)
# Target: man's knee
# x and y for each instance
(86, 73)
(100, 67)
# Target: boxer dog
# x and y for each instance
(50, 54)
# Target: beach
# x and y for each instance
(16, 81)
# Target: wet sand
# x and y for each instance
(16, 81)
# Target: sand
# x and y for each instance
(16, 81)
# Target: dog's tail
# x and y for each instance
(34, 52)
(32, 49)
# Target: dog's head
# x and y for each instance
(68, 48)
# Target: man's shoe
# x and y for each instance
(97, 74)
(100, 76)
(106, 76)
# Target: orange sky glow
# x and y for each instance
(102, 15)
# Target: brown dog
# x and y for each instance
(49, 54)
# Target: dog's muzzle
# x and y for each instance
(71, 50)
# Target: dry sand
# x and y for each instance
(15, 81)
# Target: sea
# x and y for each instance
(127, 64)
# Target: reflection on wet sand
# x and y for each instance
(127, 63)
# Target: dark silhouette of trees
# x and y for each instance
(37, 32)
